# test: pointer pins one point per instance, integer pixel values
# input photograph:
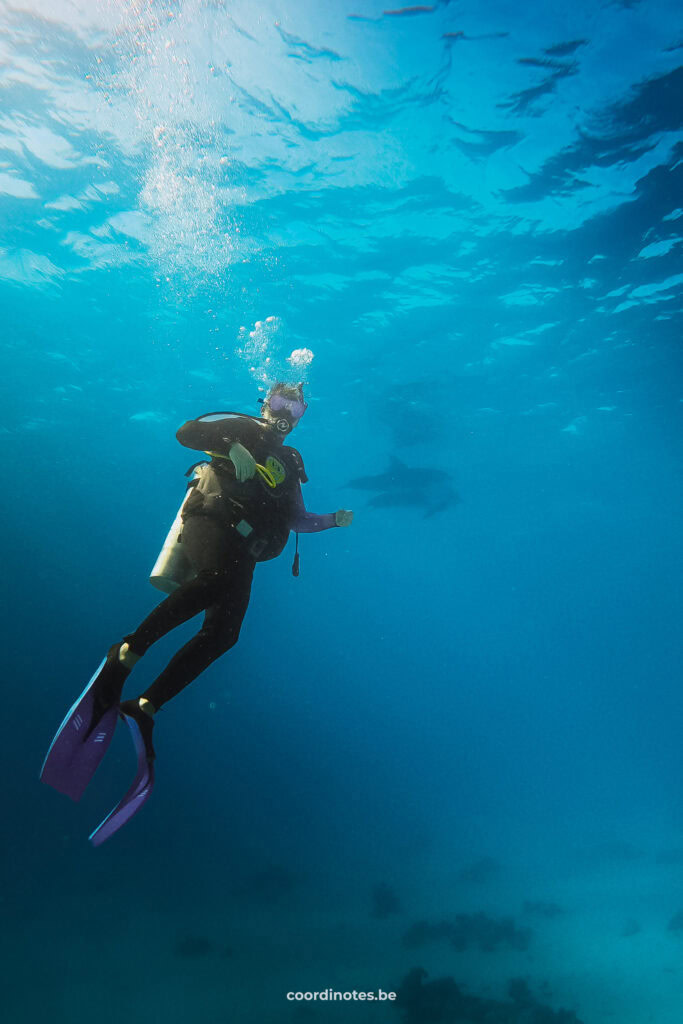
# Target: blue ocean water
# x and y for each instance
(452, 745)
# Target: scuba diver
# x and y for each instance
(238, 510)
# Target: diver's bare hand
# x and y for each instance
(243, 461)
(344, 517)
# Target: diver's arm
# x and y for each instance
(219, 435)
(311, 522)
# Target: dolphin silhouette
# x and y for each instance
(402, 486)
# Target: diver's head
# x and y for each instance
(284, 406)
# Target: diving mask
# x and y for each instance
(293, 407)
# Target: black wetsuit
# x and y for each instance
(227, 527)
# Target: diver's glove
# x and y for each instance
(344, 517)
(243, 461)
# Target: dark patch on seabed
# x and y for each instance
(479, 931)
(444, 1001)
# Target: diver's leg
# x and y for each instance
(188, 600)
(219, 633)
(212, 550)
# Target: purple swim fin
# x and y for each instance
(84, 736)
(136, 795)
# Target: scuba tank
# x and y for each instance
(172, 568)
(206, 490)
